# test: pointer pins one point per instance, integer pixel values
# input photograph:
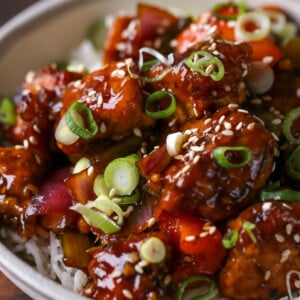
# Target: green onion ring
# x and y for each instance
(221, 159)
(161, 114)
(241, 6)
(293, 164)
(75, 127)
(285, 195)
(183, 285)
(132, 199)
(230, 239)
(205, 63)
(7, 111)
(287, 125)
(248, 226)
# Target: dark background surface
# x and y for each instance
(8, 8)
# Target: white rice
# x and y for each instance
(45, 253)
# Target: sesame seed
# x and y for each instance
(267, 59)
(77, 83)
(37, 158)
(190, 238)
(172, 122)
(279, 238)
(137, 132)
(285, 255)
(92, 93)
(239, 126)
(32, 140)
(221, 120)
(275, 136)
(112, 192)
(256, 101)
(118, 73)
(232, 105)
(267, 275)
(227, 125)
(227, 88)
(19, 147)
(227, 132)
(99, 100)
(298, 93)
(103, 127)
(297, 284)
(203, 234)
(197, 148)
(196, 159)
(244, 111)
(212, 230)
(36, 128)
(121, 46)
(289, 228)
(276, 121)
(207, 121)
(167, 280)
(214, 93)
(116, 274)
(26, 144)
(139, 269)
(296, 238)
(151, 222)
(207, 130)
(250, 126)
(127, 294)
(29, 77)
(90, 170)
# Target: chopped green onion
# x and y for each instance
(149, 64)
(7, 112)
(224, 11)
(96, 219)
(100, 187)
(76, 127)
(105, 205)
(132, 199)
(219, 155)
(293, 164)
(164, 113)
(63, 134)
(230, 239)
(183, 286)
(281, 195)
(82, 164)
(122, 175)
(256, 19)
(287, 125)
(206, 64)
(248, 226)
(153, 250)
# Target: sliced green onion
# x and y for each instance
(149, 64)
(248, 226)
(164, 113)
(7, 112)
(230, 239)
(287, 125)
(76, 127)
(132, 199)
(96, 219)
(100, 187)
(183, 286)
(218, 8)
(293, 164)
(63, 134)
(122, 175)
(220, 158)
(105, 205)
(258, 19)
(82, 164)
(278, 21)
(281, 195)
(153, 250)
(206, 64)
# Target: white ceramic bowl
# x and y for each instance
(45, 33)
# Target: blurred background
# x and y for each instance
(8, 291)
